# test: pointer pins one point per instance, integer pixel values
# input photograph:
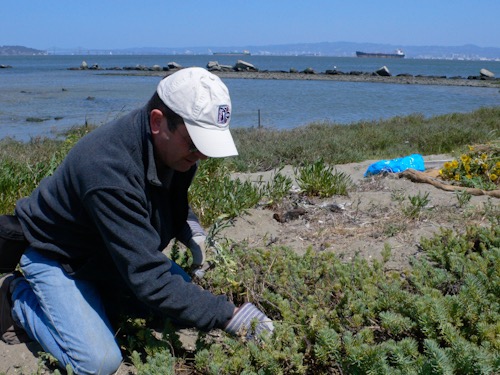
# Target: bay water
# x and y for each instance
(42, 87)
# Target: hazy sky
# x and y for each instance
(111, 24)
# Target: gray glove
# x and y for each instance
(197, 246)
(250, 321)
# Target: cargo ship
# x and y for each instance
(244, 53)
(398, 54)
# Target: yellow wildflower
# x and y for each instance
(493, 177)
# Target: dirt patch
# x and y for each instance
(374, 215)
(26, 359)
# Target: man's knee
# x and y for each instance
(102, 363)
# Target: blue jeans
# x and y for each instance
(66, 316)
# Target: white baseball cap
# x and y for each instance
(203, 102)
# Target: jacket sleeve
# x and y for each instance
(135, 248)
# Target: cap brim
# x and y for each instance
(213, 143)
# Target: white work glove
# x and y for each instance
(250, 321)
(197, 247)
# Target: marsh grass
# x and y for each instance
(23, 165)
(264, 149)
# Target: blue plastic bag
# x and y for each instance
(414, 161)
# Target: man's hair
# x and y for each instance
(173, 119)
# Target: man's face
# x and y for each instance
(173, 149)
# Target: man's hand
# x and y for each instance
(197, 247)
(250, 321)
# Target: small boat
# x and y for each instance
(398, 54)
(234, 53)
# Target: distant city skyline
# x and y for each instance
(94, 24)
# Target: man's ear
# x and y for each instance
(155, 119)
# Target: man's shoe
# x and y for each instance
(11, 333)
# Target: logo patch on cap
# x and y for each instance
(224, 114)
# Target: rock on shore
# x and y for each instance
(245, 70)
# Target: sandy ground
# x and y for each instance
(359, 224)
(363, 222)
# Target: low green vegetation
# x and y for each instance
(264, 149)
(418, 204)
(335, 317)
(440, 317)
(319, 179)
(332, 316)
(24, 164)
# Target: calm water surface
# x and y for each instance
(43, 87)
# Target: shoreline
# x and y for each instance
(343, 77)
(365, 77)
(244, 70)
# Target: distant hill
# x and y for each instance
(20, 51)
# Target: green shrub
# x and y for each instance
(418, 203)
(441, 316)
(214, 194)
(276, 189)
(318, 179)
(24, 165)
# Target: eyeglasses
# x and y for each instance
(192, 148)
(189, 142)
(187, 139)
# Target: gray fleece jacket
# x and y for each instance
(107, 215)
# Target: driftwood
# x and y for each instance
(429, 177)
